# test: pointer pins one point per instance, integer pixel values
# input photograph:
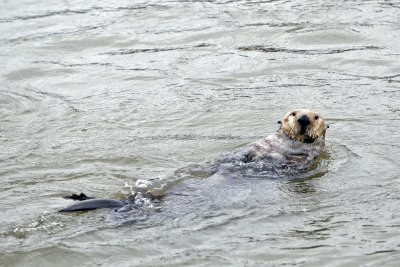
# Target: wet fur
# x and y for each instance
(315, 131)
(293, 147)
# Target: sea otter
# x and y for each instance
(299, 140)
(292, 148)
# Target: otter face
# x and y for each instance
(304, 125)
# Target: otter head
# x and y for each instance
(304, 125)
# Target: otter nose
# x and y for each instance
(304, 120)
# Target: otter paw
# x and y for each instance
(80, 197)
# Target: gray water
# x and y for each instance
(95, 96)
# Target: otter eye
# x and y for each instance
(316, 117)
(293, 113)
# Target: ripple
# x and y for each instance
(47, 14)
(25, 101)
(270, 49)
(193, 137)
(12, 104)
(390, 78)
(42, 224)
(28, 119)
(382, 251)
(155, 50)
(45, 35)
(308, 247)
(340, 156)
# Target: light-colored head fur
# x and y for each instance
(306, 132)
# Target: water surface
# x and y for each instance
(95, 95)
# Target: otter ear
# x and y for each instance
(279, 122)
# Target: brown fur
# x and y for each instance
(315, 130)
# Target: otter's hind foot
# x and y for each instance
(80, 197)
